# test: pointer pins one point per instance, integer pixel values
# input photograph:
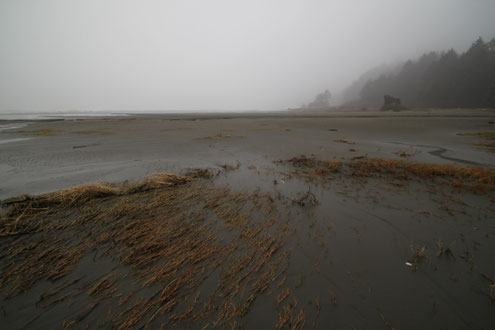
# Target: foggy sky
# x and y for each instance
(213, 54)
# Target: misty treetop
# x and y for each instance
(321, 100)
(442, 80)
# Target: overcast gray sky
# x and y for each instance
(213, 54)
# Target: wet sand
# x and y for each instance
(348, 249)
(128, 148)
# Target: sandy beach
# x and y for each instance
(348, 247)
(87, 150)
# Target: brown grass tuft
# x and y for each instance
(344, 141)
(171, 232)
(475, 179)
(489, 145)
(40, 132)
(92, 132)
(215, 137)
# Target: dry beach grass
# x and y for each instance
(171, 232)
(475, 179)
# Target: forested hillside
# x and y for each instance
(443, 80)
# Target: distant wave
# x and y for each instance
(56, 115)
(12, 126)
(14, 140)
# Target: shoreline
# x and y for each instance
(292, 113)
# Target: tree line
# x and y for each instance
(441, 80)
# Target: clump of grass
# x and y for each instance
(334, 298)
(228, 167)
(492, 285)
(445, 250)
(475, 179)
(105, 284)
(78, 194)
(317, 312)
(320, 167)
(92, 132)
(489, 145)
(158, 180)
(40, 132)
(214, 137)
(290, 318)
(172, 231)
(81, 194)
(406, 154)
(307, 198)
(200, 173)
(485, 135)
(283, 295)
(419, 254)
(344, 141)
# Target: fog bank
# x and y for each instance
(149, 55)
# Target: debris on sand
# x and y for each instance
(200, 173)
(228, 167)
(344, 141)
(221, 135)
(419, 254)
(307, 198)
(406, 154)
(447, 251)
(492, 286)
